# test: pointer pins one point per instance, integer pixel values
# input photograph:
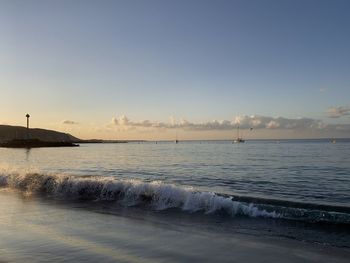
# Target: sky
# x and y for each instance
(151, 69)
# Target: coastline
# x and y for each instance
(35, 143)
(39, 230)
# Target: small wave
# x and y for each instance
(156, 194)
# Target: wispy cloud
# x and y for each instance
(245, 122)
(69, 122)
(337, 112)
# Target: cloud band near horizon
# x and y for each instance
(244, 122)
(69, 122)
(337, 112)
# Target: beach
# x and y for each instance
(147, 202)
(35, 230)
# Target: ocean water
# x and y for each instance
(295, 189)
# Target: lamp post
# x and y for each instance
(27, 116)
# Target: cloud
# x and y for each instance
(337, 112)
(245, 122)
(69, 122)
(338, 127)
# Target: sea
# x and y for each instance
(194, 201)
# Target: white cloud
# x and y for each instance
(337, 112)
(245, 122)
(272, 125)
(122, 120)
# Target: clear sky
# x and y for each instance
(99, 69)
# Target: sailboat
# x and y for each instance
(238, 139)
(176, 140)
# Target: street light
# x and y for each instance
(27, 116)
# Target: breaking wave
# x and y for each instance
(156, 194)
(160, 196)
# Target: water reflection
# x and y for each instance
(28, 154)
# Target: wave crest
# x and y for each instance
(155, 194)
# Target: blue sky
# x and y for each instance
(90, 61)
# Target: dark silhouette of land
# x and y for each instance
(8, 133)
(35, 143)
(102, 141)
(25, 137)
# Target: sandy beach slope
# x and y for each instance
(35, 230)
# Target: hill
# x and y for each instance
(8, 133)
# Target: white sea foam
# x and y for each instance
(155, 194)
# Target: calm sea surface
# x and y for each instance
(311, 171)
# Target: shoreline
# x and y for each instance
(35, 143)
(35, 230)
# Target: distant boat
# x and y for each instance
(176, 140)
(238, 139)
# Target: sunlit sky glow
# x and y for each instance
(148, 69)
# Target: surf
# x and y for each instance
(157, 195)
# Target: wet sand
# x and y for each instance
(35, 230)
